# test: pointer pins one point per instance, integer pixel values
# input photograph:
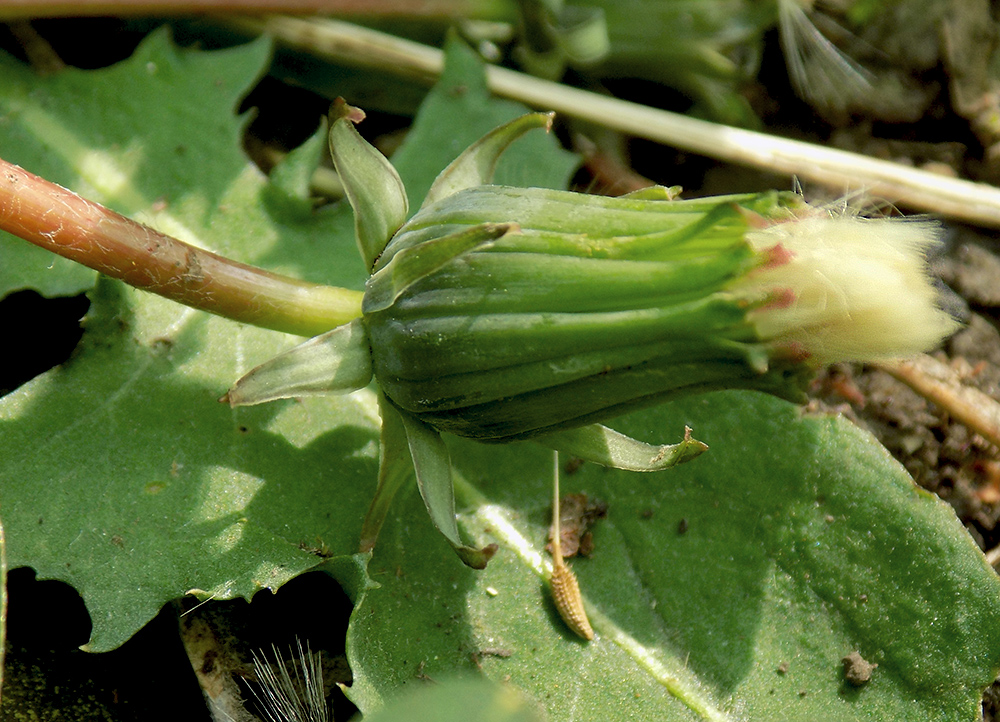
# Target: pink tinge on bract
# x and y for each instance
(790, 351)
(776, 255)
(754, 220)
(859, 287)
(778, 299)
(341, 109)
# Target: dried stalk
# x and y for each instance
(839, 170)
(937, 382)
(23, 9)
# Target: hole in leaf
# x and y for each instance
(38, 333)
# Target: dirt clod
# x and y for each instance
(857, 670)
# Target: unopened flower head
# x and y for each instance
(837, 286)
(502, 313)
(590, 307)
(499, 313)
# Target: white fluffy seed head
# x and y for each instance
(842, 287)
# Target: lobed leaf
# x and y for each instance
(120, 473)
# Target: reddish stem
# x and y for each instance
(60, 221)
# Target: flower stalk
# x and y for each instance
(62, 222)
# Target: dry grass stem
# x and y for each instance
(937, 382)
(839, 170)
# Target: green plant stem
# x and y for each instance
(60, 221)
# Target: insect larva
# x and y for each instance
(568, 600)
(565, 589)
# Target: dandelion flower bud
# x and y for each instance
(590, 307)
(500, 313)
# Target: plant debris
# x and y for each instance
(857, 670)
(577, 514)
